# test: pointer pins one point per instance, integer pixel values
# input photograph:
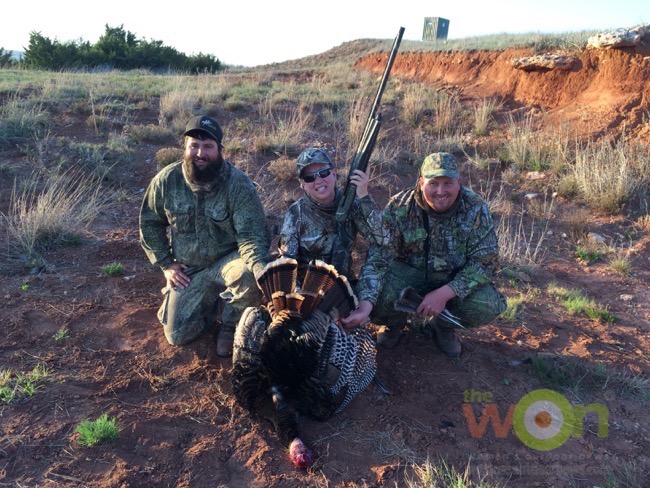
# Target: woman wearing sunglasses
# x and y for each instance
(310, 230)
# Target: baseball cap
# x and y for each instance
(312, 155)
(205, 125)
(440, 164)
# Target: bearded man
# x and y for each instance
(203, 224)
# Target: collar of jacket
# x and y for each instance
(328, 208)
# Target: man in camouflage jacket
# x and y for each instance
(443, 244)
(310, 230)
(203, 223)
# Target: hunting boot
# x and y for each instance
(225, 339)
(388, 336)
(447, 340)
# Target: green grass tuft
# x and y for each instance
(575, 302)
(100, 431)
(113, 269)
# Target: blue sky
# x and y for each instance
(250, 33)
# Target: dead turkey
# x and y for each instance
(290, 357)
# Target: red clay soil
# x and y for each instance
(606, 91)
(179, 423)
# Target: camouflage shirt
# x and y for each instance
(310, 230)
(463, 244)
(204, 225)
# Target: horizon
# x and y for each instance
(287, 29)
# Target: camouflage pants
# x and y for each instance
(186, 313)
(478, 308)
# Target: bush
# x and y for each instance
(168, 155)
(283, 169)
(150, 133)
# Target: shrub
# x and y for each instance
(150, 133)
(168, 155)
(283, 169)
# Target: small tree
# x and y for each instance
(6, 58)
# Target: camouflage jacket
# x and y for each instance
(204, 226)
(309, 230)
(463, 245)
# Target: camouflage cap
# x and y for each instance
(204, 125)
(312, 155)
(440, 164)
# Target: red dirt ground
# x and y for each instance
(180, 425)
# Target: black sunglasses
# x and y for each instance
(311, 177)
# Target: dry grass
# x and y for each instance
(643, 223)
(358, 111)
(414, 104)
(443, 475)
(44, 217)
(447, 114)
(283, 169)
(521, 243)
(168, 155)
(483, 115)
(285, 132)
(576, 222)
(608, 175)
(621, 262)
(150, 133)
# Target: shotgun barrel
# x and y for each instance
(368, 139)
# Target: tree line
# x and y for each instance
(116, 49)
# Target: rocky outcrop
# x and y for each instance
(544, 62)
(618, 38)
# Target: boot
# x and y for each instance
(447, 340)
(225, 339)
(388, 337)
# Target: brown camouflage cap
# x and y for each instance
(440, 164)
(312, 155)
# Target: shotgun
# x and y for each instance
(368, 139)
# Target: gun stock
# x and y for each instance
(368, 139)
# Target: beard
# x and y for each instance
(206, 175)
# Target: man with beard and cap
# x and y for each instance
(203, 224)
(443, 247)
(310, 230)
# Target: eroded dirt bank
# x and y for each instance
(606, 92)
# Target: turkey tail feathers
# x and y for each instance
(322, 288)
(339, 296)
(319, 276)
(278, 276)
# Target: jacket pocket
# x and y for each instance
(181, 219)
(221, 222)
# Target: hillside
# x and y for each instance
(98, 338)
